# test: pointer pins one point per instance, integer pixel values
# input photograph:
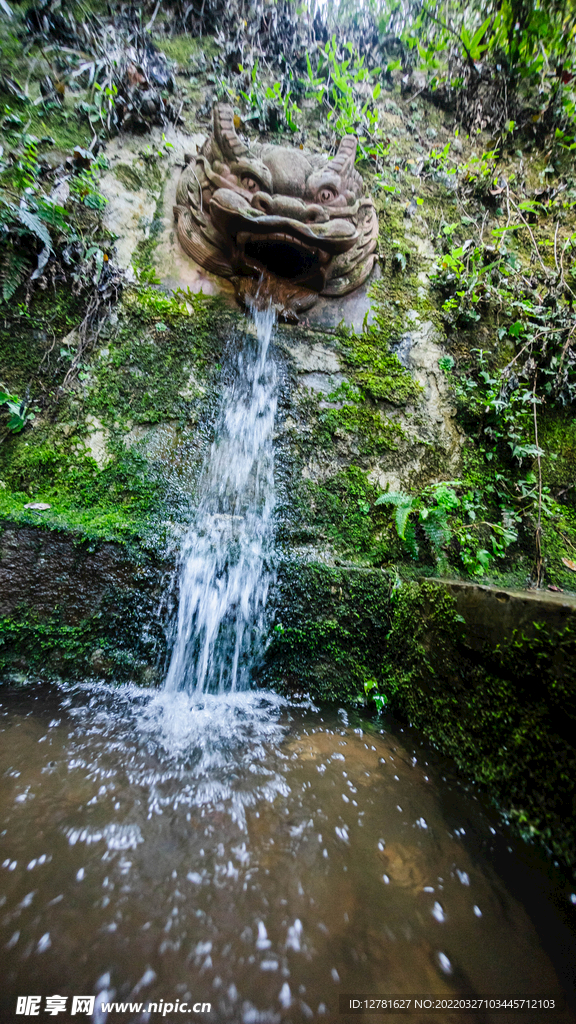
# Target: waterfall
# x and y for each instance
(225, 570)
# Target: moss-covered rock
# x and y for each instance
(75, 609)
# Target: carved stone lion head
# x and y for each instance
(293, 217)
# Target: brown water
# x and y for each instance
(258, 856)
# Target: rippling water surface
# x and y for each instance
(242, 851)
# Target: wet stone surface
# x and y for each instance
(255, 855)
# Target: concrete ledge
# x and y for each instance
(493, 614)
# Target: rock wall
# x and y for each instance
(73, 609)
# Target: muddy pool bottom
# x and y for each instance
(260, 857)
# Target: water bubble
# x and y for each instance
(44, 943)
(445, 964)
(294, 935)
(438, 912)
(285, 997)
(147, 978)
(262, 942)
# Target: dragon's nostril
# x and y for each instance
(263, 202)
(316, 215)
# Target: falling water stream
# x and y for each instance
(225, 572)
(212, 844)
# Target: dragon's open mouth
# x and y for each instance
(283, 255)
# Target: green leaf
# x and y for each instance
(410, 540)
(394, 498)
(36, 226)
(401, 518)
(484, 558)
(13, 270)
(478, 36)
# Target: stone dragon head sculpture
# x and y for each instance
(294, 218)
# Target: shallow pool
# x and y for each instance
(261, 857)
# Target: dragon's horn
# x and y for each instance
(343, 162)
(231, 147)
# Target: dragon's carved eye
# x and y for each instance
(326, 194)
(250, 183)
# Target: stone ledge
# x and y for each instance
(492, 614)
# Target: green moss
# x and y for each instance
(182, 48)
(371, 365)
(375, 369)
(329, 625)
(360, 424)
(557, 436)
(507, 717)
(156, 366)
(65, 127)
(341, 511)
(121, 641)
(28, 354)
(143, 257)
(129, 176)
(146, 175)
(125, 499)
(159, 363)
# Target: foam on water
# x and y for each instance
(225, 570)
(196, 750)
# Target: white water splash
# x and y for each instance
(225, 569)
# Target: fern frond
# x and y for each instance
(436, 528)
(53, 214)
(401, 518)
(410, 540)
(13, 269)
(35, 225)
(397, 498)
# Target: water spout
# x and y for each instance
(225, 570)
